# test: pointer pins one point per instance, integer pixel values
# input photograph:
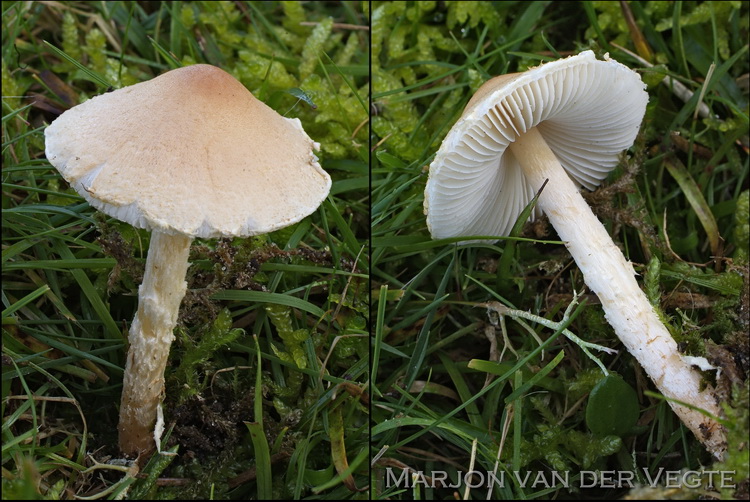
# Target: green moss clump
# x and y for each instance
(294, 16)
(281, 318)
(705, 12)
(187, 17)
(11, 89)
(583, 382)
(197, 353)
(313, 49)
(738, 458)
(220, 16)
(563, 448)
(268, 67)
(94, 48)
(70, 42)
(336, 117)
(741, 235)
(472, 14)
(611, 22)
(270, 74)
(111, 69)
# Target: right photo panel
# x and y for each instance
(559, 250)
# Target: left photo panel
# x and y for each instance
(185, 235)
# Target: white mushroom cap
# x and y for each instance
(587, 110)
(190, 152)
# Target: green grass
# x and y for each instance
(70, 274)
(677, 205)
(269, 378)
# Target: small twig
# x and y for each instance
(383, 140)
(224, 370)
(361, 124)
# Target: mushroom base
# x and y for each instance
(608, 274)
(150, 337)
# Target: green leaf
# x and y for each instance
(612, 408)
(173, 63)
(262, 460)
(389, 160)
(265, 297)
(695, 197)
(258, 436)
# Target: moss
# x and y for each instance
(294, 16)
(738, 457)
(312, 52)
(263, 67)
(611, 21)
(257, 72)
(220, 16)
(350, 49)
(292, 339)
(11, 89)
(737, 123)
(335, 118)
(741, 234)
(70, 41)
(705, 13)
(187, 17)
(472, 14)
(562, 448)
(199, 350)
(583, 382)
(95, 46)
(115, 72)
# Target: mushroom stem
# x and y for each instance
(608, 274)
(150, 336)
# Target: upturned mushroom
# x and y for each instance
(191, 153)
(564, 122)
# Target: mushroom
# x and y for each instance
(564, 122)
(191, 153)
